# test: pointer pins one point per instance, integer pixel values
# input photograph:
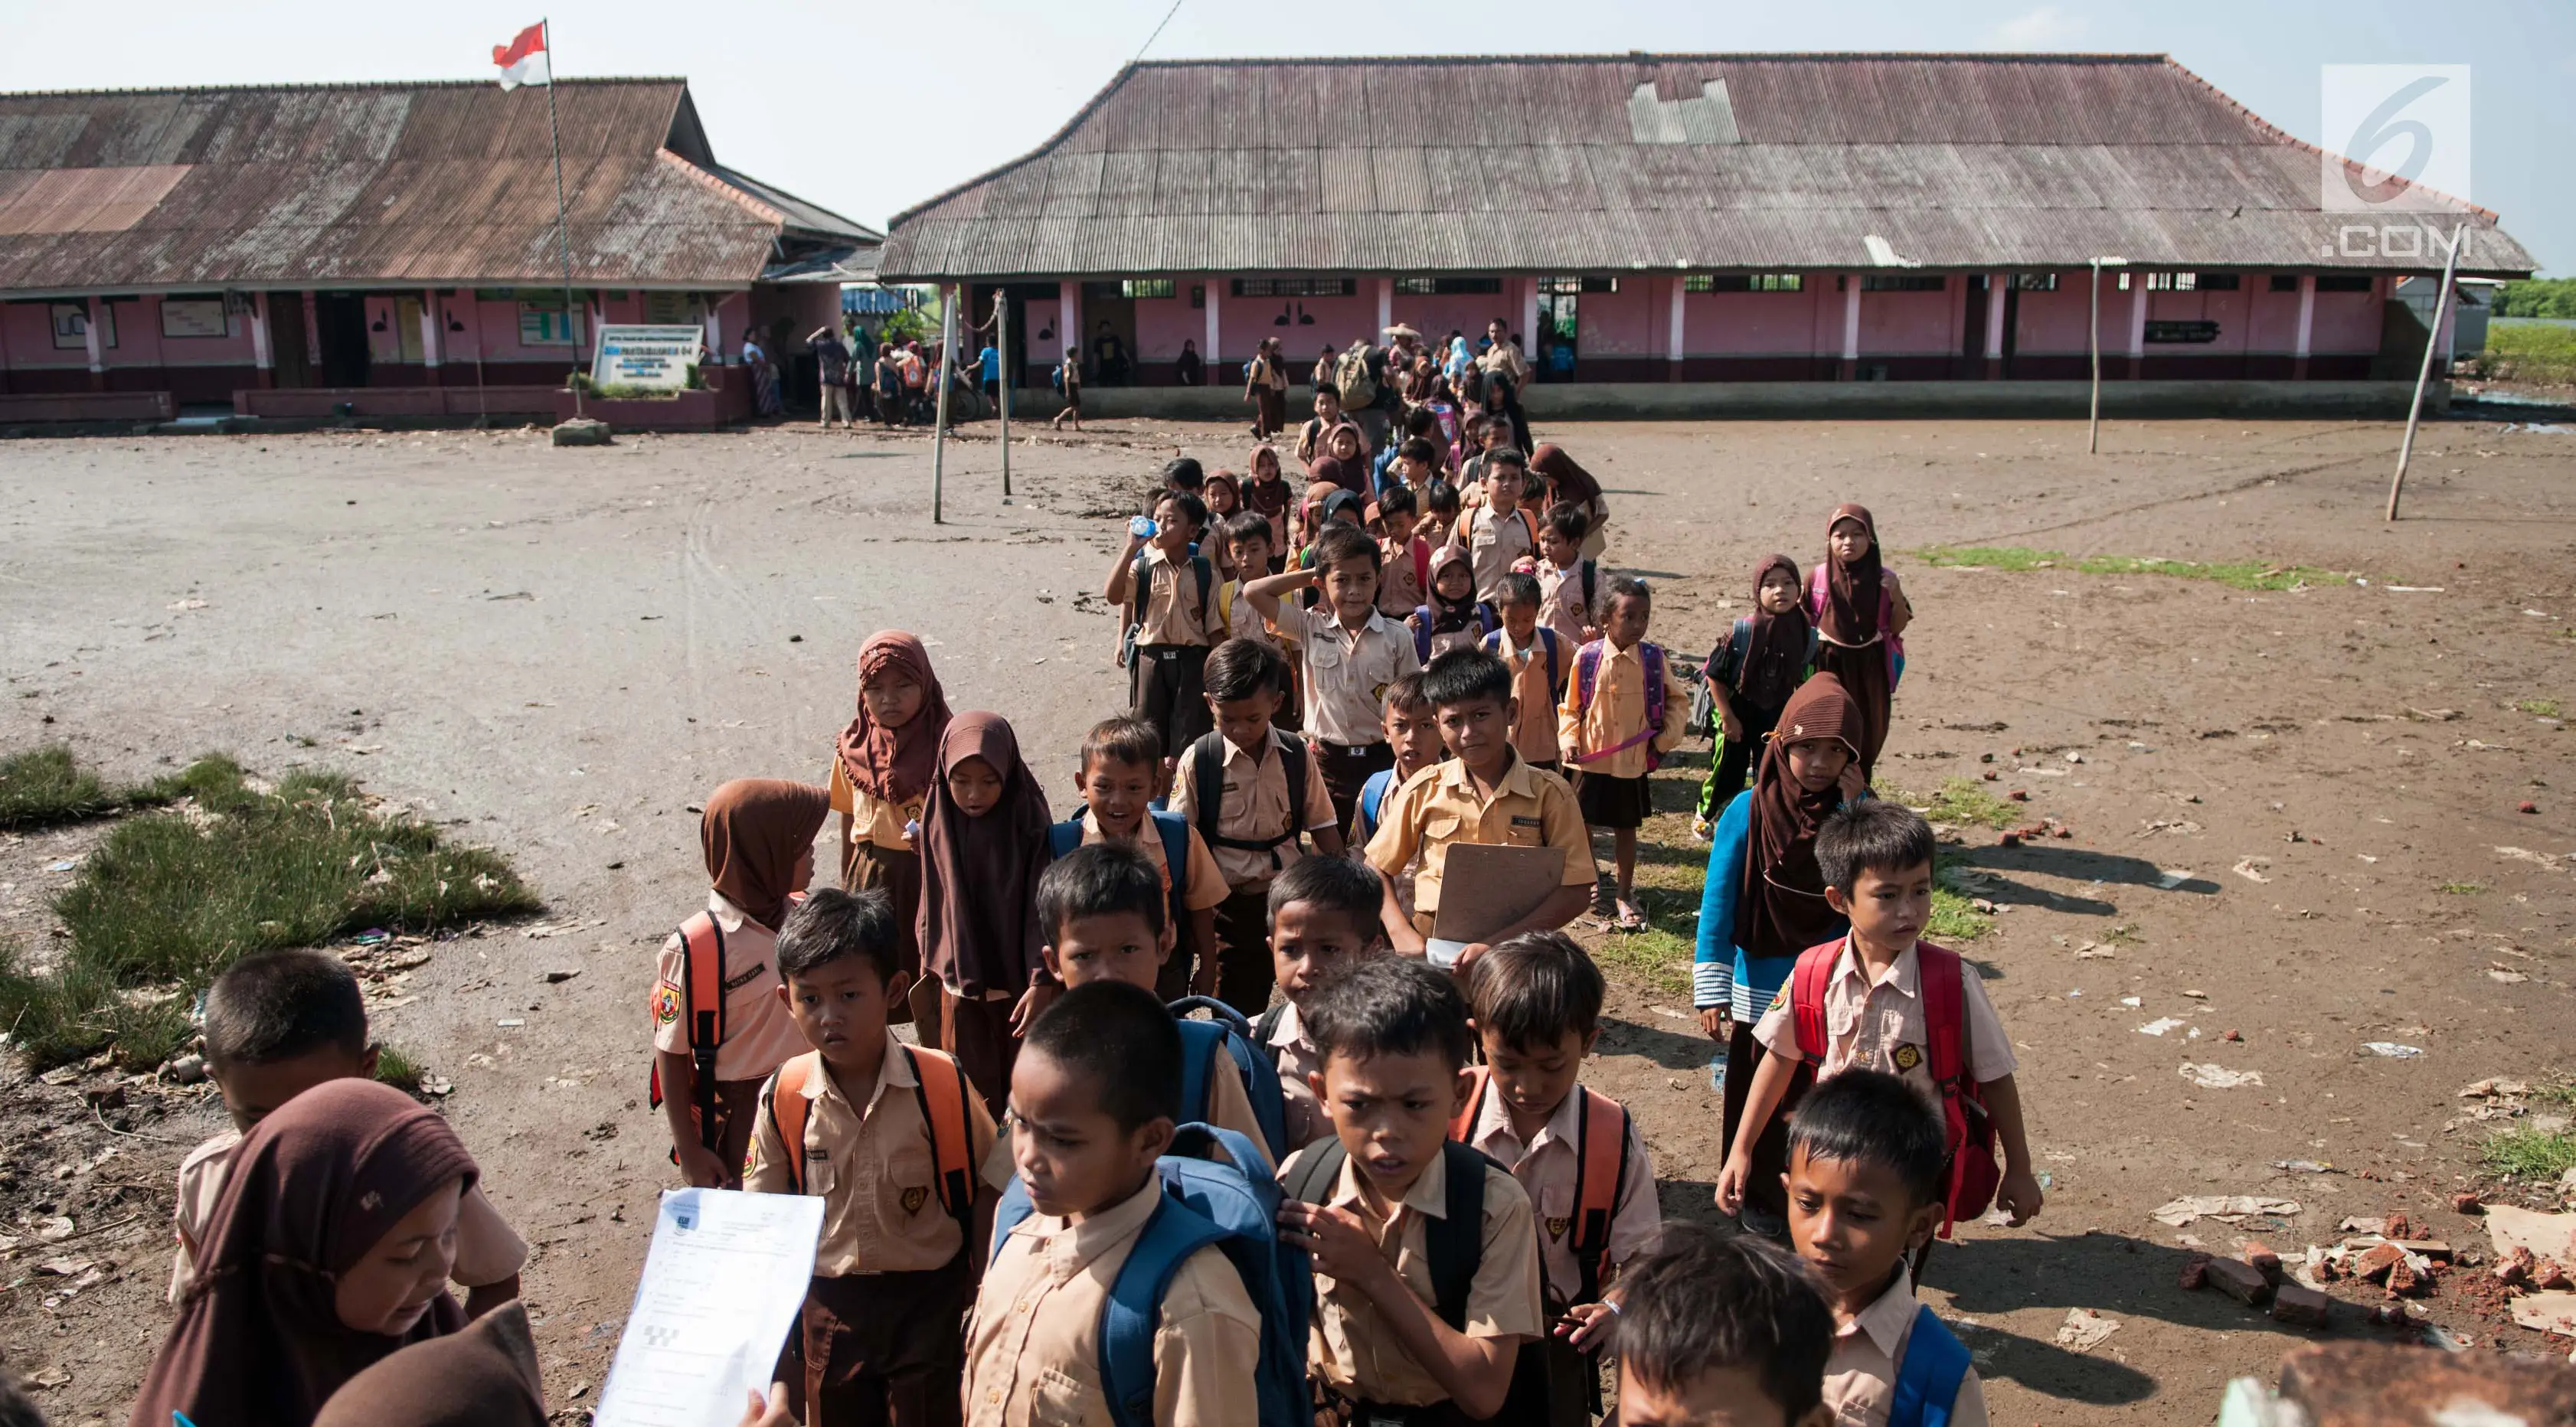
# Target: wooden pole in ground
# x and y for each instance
(2424, 374)
(1002, 388)
(947, 373)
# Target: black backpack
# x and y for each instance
(1207, 778)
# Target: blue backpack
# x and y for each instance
(1927, 1382)
(1487, 621)
(1227, 1033)
(1205, 1201)
(1172, 828)
(1373, 797)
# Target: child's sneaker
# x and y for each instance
(1702, 829)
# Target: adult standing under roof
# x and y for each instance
(1503, 360)
(1189, 369)
(832, 380)
(1265, 385)
(1109, 356)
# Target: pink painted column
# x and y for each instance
(1673, 330)
(1529, 317)
(262, 354)
(1850, 368)
(2302, 343)
(1997, 284)
(97, 355)
(2137, 325)
(433, 338)
(1213, 355)
(1068, 315)
(1385, 308)
(4, 354)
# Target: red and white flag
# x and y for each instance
(523, 60)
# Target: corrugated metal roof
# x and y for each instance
(399, 183)
(1535, 164)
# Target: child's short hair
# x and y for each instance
(830, 924)
(1441, 498)
(1416, 448)
(1192, 509)
(1121, 1039)
(1506, 456)
(1518, 587)
(1534, 989)
(1244, 669)
(1417, 423)
(1125, 740)
(1465, 675)
(1343, 541)
(1395, 500)
(1333, 884)
(282, 1005)
(1250, 525)
(1873, 835)
(1099, 879)
(1388, 1005)
(1871, 1117)
(1185, 473)
(1406, 693)
(1571, 522)
(1615, 589)
(1701, 1303)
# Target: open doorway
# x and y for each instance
(340, 320)
(1557, 343)
(1108, 334)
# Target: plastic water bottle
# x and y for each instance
(1717, 1071)
(1142, 527)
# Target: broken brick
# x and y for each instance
(2010, 839)
(2375, 1263)
(2551, 1275)
(2019, 795)
(2299, 1304)
(2406, 1281)
(2468, 1203)
(2239, 1280)
(2195, 1271)
(2264, 1260)
(2526, 807)
(2399, 1227)
(2516, 1266)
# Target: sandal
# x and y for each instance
(1631, 920)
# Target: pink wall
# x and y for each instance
(2346, 321)
(1164, 323)
(1907, 324)
(1617, 324)
(1759, 323)
(29, 327)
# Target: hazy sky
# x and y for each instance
(870, 107)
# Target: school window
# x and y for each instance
(1569, 286)
(2191, 282)
(2219, 282)
(2343, 282)
(1129, 287)
(1903, 282)
(1448, 286)
(1742, 282)
(543, 324)
(1295, 286)
(2034, 282)
(2285, 282)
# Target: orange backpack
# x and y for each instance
(702, 970)
(939, 1087)
(1600, 1173)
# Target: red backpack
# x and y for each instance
(1973, 1174)
(1600, 1175)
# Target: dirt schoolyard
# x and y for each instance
(2315, 797)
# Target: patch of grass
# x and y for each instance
(398, 1070)
(2464, 889)
(1965, 800)
(1955, 918)
(2526, 1153)
(169, 899)
(46, 787)
(2539, 708)
(2532, 353)
(2238, 574)
(1658, 960)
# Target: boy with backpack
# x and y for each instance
(1717, 1330)
(1252, 792)
(1623, 711)
(1404, 558)
(1426, 1259)
(1101, 910)
(1567, 583)
(1498, 533)
(1537, 1005)
(1539, 661)
(1122, 766)
(1347, 655)
(1323, 912)
(1836, 1011)
(1169, 591)
(1125, 1276)
(1865, 1189)
(887, 1134)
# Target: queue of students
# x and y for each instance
(1189, 1130)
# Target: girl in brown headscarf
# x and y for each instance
(713, 1047)
(1860, 612)
(484, 1376)
(882, 769)
(1750, 678)
(328, 1250)
(983, 844)
(1265, 493)
(1575, 486)
(1764, 901)
(1224, 496)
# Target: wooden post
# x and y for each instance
(2424, 374)
(1002, 388)
(948, 299)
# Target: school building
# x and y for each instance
(381, 249)
(1794, 222)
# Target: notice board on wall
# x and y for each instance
(647, 356)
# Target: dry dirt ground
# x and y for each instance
(2294, 818)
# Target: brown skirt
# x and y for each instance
(866, 867)
(887, 1349)
(978, 1033)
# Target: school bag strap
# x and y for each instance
(1064, 837)
(1268, 1025)
(1207, 779)
(1590, 570)
(1174, 830)
(1587, 675)
(1928, 1380)
(1225, 1043)
(1462, 1126)
(1455, 1243)
(1600, 1178)
(702, 1017)
(1133, 1309)
(939, 1087)
(1372, 800)
(1807, 983)
(1421, 622)
(1555, 676)
(1140, 581)
(788, 1109)
(1973, 1173)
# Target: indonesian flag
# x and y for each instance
(523, 60)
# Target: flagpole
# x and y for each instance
(563, 236)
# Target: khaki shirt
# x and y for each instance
(872, 819)
(486, 1250)
(1439, 807)
(1033, 1345)
(1297, 1057)
(1206, 882)
(1252, 804)
(1881, 1027)
(1618, 713)
(1561, 605)
(1169, 603)
(1399, 580)
(1493, 544)
(1345, 674)
(1547, 1168)
(1860, 1378)
(1350, 1345)
(873, 1167)
(1534, 730)
(758, 1031)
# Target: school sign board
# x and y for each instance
(656, 357)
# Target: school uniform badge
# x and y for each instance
(666, 1004)
(914, 1198)
(1557, 1226)
(1907, 1057)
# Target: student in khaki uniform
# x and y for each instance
(1484, 793)
(1405, 1331)
(885, 1134)
(1122, 766)
(715, 1006)
(1323, 912)
(1720, 1330)
(1609, 733)
(1170, 598)
(1250, 815)
(882, 768)
(1347, 655)
(1093, 1099)
(1540, 661)
(1499, 533)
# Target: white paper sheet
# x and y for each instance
(721, 1286)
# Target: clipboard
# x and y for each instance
(1485, 887)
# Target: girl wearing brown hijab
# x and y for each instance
(758, 837)
(328, 1250)
(882, 768)
(484, 1376)
(983, 844)
(1266, 494)
(1750, 677)
(1575, 486)
(1860, 613)
(1764, 900)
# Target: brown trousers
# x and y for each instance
(978, 1033)
(1243, 970)
(887, 1349)
(737, 1107)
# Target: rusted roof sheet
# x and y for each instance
(445, 184)
(1651, 162)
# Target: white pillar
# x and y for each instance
(261, 356)
(1212, 356)
(1385, 308)
(432, 332)
(1529, 319)
(2299, 344)
(1673, 326)
(1068, 315)
(2137, 321)
(2447, 332)
(89, 335)
(1851, 317)
(715, 331)
(1996, 285)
